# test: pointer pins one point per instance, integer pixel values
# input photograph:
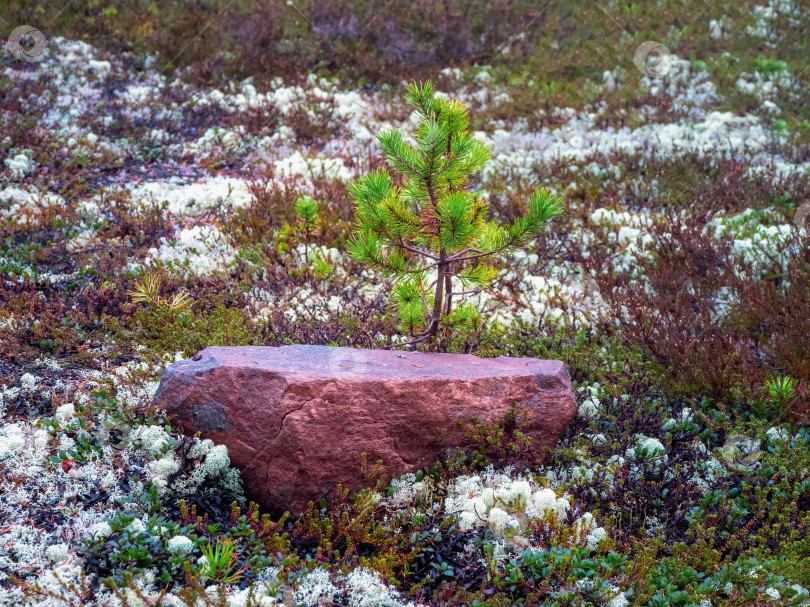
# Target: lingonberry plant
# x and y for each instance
(433, 229)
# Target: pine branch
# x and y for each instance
(415, 250)
(471, 292)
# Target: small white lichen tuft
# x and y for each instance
(180, 544)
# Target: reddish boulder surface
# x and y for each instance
(296, 419)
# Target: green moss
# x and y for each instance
(165, 329)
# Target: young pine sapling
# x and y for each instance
(303, 231)
(431, 233)
(307, 210)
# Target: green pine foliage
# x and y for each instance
(307, 210)
(431, 233)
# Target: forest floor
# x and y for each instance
(675, 287)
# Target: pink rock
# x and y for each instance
(296, 419)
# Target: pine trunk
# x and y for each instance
(438, 298)
(448, 292)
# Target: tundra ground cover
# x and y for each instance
(675, 286)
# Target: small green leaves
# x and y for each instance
(320, 267)
(781, 390)
(222, 564)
